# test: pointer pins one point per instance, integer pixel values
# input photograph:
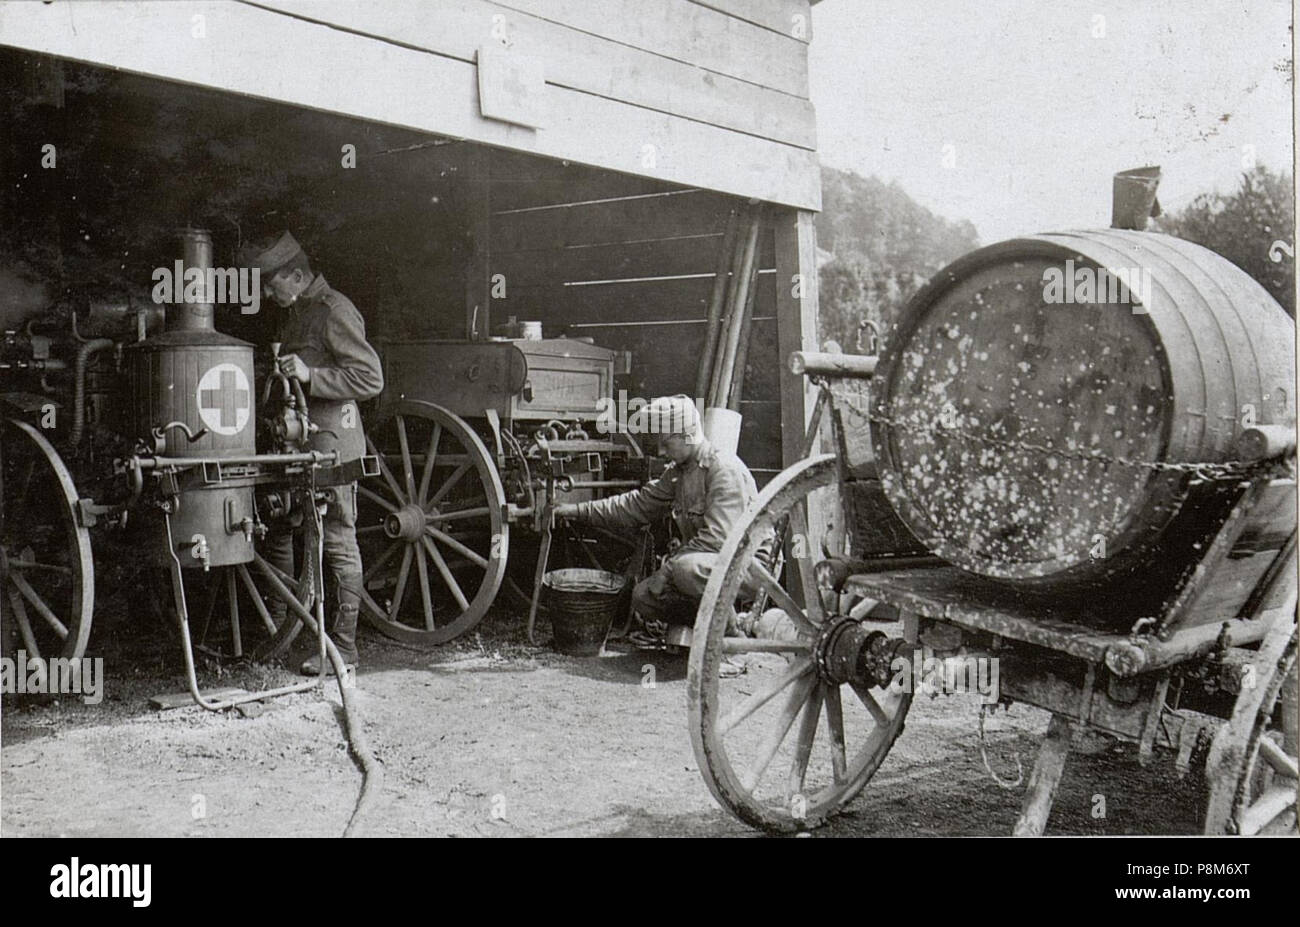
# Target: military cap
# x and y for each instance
(271, 259)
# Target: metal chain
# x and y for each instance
(1201, 472)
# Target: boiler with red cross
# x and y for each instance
(193, 386)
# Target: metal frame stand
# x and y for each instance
(314, 622)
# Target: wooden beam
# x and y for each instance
(687, 32)
(656, 257)
(789, 17)
(653, 300)
(270, 55)
(627, 219)
(796, 320)
(1044, 779)
(796, 313)
(691, 86)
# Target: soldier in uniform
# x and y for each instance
(705, 489)
(324, 347)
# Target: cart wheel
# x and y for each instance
(46, 571)
(236, 614)
(438, 505)
(741, 727)
(1251, 768)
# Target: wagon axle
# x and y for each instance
(847, 651)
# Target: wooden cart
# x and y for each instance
(1195, 658)
(472, 439)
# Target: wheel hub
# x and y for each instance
(848, 651)
(407, 523)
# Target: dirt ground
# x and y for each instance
(491, 737)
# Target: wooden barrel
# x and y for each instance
(1032, 390)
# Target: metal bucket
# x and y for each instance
(582, 604)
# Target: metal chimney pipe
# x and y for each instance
(196, 252)
(1133, 198)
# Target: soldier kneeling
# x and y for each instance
(704, 488)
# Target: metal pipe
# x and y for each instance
(117, 318)
(564, 484)
(737, 385)
(1127, 658)
(729, 310)
(187, 646)
(324, 458)
(728, 357)
(844, 366)
(716, 297)
(196, 254)
(1133, 198)
(290, 600)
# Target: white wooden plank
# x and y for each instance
(687, 32)
(573, 59)
(790, 17)
(265, 54)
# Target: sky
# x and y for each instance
(1015, 114)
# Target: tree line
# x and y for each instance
(877, 246)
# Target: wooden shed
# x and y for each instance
(448, 163)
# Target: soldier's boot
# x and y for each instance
(344, 636)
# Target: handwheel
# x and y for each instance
(1251, 769)
(438, 506)
(47, 576)
(783, 746)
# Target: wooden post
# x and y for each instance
(478, 275)
(796, 330)
(796, 320)
(1044, 779)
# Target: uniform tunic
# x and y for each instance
(328, 333)
(705, 496)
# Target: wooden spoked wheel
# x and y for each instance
(432, 526)
(1252, 764)
(236, 611)
(47, 576)
(782, 746)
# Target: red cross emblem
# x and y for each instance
(224, 399)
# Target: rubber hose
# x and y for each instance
(84, 352)
(372, 773)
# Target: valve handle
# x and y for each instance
(160, 431)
